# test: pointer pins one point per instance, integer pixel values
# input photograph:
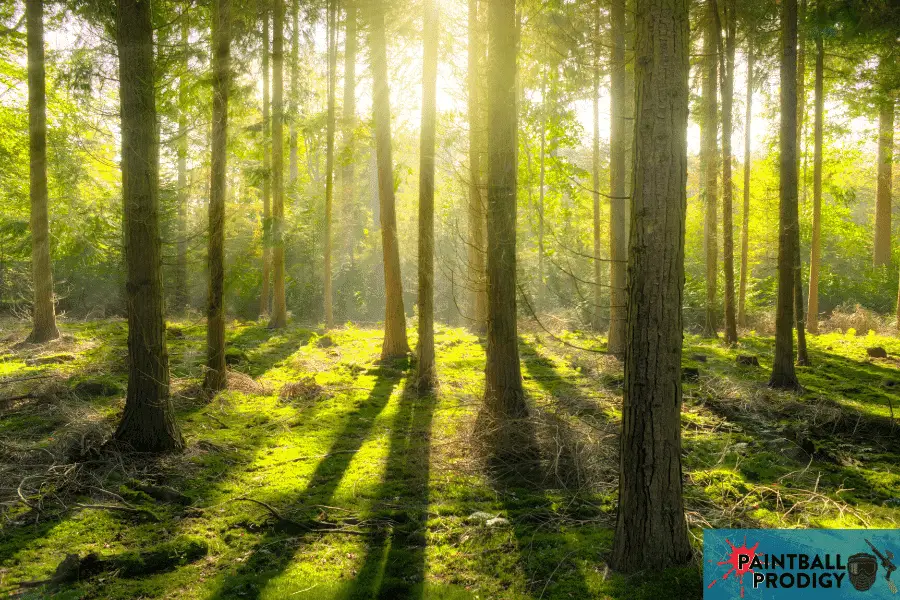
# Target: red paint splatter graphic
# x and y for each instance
(734, 560)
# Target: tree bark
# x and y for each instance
(43, 313)
(279, 305)
(476, 209)
(265, 301)
(504, 397)
(329, 158)
(542, 166)
(595, 168)
(783, 373)
(348, 173)
(148, 422)
(709, 164)
(216, 374)
(883, 191)
(802, 355)
(395, 343)
(618, 238)
(426, 371)
(730, 14)
(293, 101)
(651, 531)
(181, 285)
(745, 216)
(812, 313)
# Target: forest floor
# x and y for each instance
(322, 474)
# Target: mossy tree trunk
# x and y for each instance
(216, 375)
(395, 343)
(427, 374)
(783, 372)
(43, 313)
(148, 422)
(504, 397)
(651, 531)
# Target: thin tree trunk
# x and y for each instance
(43, 311)
(802, 355)
(709, 164)
(504, 397)
(279, 306)
(293, 101)
(329, 157)
(148, 422)
(883, 192)
(727, 183)
(181, 286)
(745, 225)
(265, 301)
(542, 161)
(476, 208)
(595, 167)
(348, 173)
(783, 373)
(651, 531)
(395, 343)
(427, 374)
(216, 375)
(812, 313)
(618, 150)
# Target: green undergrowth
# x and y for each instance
(321, 473)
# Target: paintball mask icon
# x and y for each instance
(862, 567)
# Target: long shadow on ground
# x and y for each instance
(261, 566)
(394, 566)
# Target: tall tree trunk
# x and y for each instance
(329, 157)
(427, 374)
(730, 14)
(41, 268)
(265, 301)
(812, 313)
(216, 375)
(783, 373)
(802, 355)
(883, 192)
(348, 173)
(745, 216)
(618, 149)
(504, 397)
(293, 101)
(709, 164)
(595, 167)
(279, 305)
(651, 530)
(181, 286)
(541, 179)
(148, 422)
(395, 343)
(476, 209)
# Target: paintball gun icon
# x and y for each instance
(886, 562)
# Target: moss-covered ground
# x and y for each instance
(371, 490)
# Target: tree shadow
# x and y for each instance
(394, 566)
(261, 566)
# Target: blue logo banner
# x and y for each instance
(776, 564)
